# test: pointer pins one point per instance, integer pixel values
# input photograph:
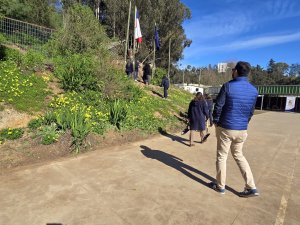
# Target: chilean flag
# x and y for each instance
(137, 28)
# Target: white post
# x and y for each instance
(127, 33)
(169, 59)
(154, 49)
(200, 76)
(134, 41)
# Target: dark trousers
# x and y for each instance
(165, 92)
(210, 118)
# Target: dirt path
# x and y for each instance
(162, 181)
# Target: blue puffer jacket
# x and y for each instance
(235, 104)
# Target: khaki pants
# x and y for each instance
(232, 140)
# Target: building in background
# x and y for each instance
(222, 67)
(192, 88)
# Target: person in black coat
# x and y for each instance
(136, 70)
(210, 105)
(198, 115)
(165, 83)
(129, 68)
(147, 73)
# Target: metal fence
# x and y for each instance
(24, 35)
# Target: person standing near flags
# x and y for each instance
(129, 68)
(136, 70)
(147, 73)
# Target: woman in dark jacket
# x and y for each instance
(197, 115)
(210, 105)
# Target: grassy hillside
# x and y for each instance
(76, 96)
(134, 107)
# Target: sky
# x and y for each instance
(248, 30)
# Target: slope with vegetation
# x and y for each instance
(96, 99)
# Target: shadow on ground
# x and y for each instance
(173, 137)
(158, 94)
(177, 163)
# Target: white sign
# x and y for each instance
(290, 103)
(222, 67)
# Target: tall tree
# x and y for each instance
(294, 70)
(34, 11)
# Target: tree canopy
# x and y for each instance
(167, 15)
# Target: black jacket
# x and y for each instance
(165, 82)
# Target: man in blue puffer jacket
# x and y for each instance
(233, 110)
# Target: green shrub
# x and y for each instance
(78, 120)
(25, 93)
(77, 72)
(35, 123)
(134, 92)
(49, 134)
(81, 33)
(2, 39)
(11, 134)
(11, 54)
(80, 128)
(159, 73)
(33, 60)
(96, 109)
(100, 127)
(49, 118)
(117, 113)
(1, 140)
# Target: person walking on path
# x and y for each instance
(165, 83)
(197, 116)
(233, 110)
(210, 104)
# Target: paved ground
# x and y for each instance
(162, 181)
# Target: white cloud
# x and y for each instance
(238, 18)
(278, 9)
(218, 25)
(258, 42)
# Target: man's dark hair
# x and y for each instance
(243, 68)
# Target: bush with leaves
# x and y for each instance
(11, 54)
(2, 38)
(35, 123)
(159, 73)
(117, 113)
(81, 33)
(76, 72)
(77, 119)
(33, 60)
(49, 133)
(11, 133)
(26, 93)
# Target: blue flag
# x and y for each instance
(156, 38)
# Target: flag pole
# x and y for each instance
(134, 40)
(154, 48)
(127, 33)
(169, 58)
